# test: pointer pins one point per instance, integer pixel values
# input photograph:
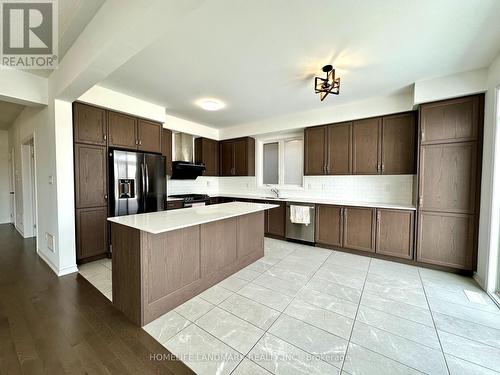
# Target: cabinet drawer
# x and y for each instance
(174, 205)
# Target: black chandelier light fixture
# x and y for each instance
(328, 85)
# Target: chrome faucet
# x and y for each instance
(276, 192)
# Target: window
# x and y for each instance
(282, 162)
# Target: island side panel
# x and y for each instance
(126, 271)
(208, 254)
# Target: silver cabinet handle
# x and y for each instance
(104, 137)
(147, 178)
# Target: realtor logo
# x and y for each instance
(29, 32)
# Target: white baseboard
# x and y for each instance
(58, 271)
(479, 280)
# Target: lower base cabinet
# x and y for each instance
(446, 239)
(382, 231)
(275, 220)
(359, 228)
(395, 230)
(92, 233)
(329, 225)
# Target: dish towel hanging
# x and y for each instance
(300, 215)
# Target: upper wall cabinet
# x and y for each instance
(206, 151)
(450, 121)
(315, 150)
(237, 157)
(133, 133)
(89, 124)
(122, 130)
(398, 144)
(149, 136)
(379, 145)
(366, 146)
(166, 149)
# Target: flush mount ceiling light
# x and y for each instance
(328, 85)
(210, 104)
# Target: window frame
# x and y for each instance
(281, 161)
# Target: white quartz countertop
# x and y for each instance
(395, 206)
(165, 221)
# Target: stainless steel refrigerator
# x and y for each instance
(137, 182)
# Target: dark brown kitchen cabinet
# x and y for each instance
(359, 228)
(327, 149)
(398, 149)
(206, 151)
(315, 150)
(455, 120)
(338, 150)
(89, 124)
(122, 131)
(166, 149)
(366, 146)
(394, 235)
(237, 157)
(449, 179)
(149, 136)
(329, 225)
(90, 175)
(447, 239)
(92, 229)
(275, 220)
(174, 205)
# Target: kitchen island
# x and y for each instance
(163, 259)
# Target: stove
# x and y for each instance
(189, 199)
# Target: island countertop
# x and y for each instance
(165, 221)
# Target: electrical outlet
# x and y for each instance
(309, 186)
(50, 241)
(51, 180)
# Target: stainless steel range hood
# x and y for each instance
(183, 166)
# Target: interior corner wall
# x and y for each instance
(38, 121)
(63, 124)
(4, 177)
(489, 221)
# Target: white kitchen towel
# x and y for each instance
(300, 215)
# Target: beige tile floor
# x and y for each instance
(304, 310)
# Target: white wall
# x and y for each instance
(489, 221)
(336, 113)
(452, 86)
(38, 122)
(4, 177)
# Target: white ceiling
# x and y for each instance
(260, 56)
(73, 16)
(8, 113)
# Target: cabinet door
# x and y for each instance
(454, 120)
(276, 219)
(90, 176)
(398, 144)
(122, 131)
(226, 159)
(149, 136)
(395, 233)
(329, 225)
(92, 232)
(366, 146)
(315, 150)
(207, 152)
(339, 142)
(446, 239)
(448, 177)
(240, 149)
(89, 124)
(359, 228)
(166, 149)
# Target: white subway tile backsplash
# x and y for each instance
(396, 189)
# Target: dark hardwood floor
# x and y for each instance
(51, 325)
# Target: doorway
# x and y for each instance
(29, 188)
(12, 187)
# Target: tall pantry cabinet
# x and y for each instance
(449, 181)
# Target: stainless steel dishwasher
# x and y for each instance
(300, 232)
